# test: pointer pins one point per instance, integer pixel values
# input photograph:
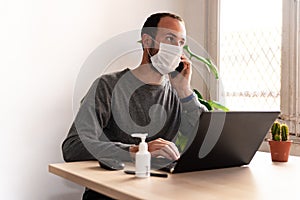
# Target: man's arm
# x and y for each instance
(83, 140)
(191, 107)
(73, 149)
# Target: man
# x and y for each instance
(148, 99)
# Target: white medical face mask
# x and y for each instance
(167, 58)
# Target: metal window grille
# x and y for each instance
(250, 61)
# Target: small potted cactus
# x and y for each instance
(280, 144)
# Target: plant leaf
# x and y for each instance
(203, 101)
(181, 141)
(208, 63)
(206, 104)
(213, 68)
(217, 105)
(198, 94)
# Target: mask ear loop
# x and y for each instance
(149, 54)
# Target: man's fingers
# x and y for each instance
(171, 154)
(161, 153)
(161, 147)
(169, 151)
(175, 149)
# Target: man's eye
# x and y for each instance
(170, 39)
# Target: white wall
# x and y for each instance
(43, 45)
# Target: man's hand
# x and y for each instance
(161, 147)
(182, 81)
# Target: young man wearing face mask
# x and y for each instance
(145, 99)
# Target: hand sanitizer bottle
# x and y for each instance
(142, 157)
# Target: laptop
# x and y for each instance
(223, 139)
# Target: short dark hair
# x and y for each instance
(152, 21)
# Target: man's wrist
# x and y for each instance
(188, 98)
(184, 93)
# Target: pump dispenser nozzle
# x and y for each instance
(142, 157)
(143, 146)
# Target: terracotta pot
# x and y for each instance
(280, 150)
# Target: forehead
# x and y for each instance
(170, 25)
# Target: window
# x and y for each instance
(259, 58)
(250, 53)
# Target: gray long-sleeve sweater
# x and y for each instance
(118, 105)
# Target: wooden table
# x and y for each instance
(261, 179)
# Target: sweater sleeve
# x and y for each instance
(191, 111)
(190, 115)
(83, 140)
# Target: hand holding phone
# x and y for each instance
(177, 70)
(182, 83)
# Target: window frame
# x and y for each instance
(290, 66)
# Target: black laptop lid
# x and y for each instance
(225, 139)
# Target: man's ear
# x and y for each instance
(147, 41)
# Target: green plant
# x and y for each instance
(208, 63)
(284, 132)
(275, 131)
(280, 132)
(209, 104)
(181, 140)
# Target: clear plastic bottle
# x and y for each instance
(142, 157)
